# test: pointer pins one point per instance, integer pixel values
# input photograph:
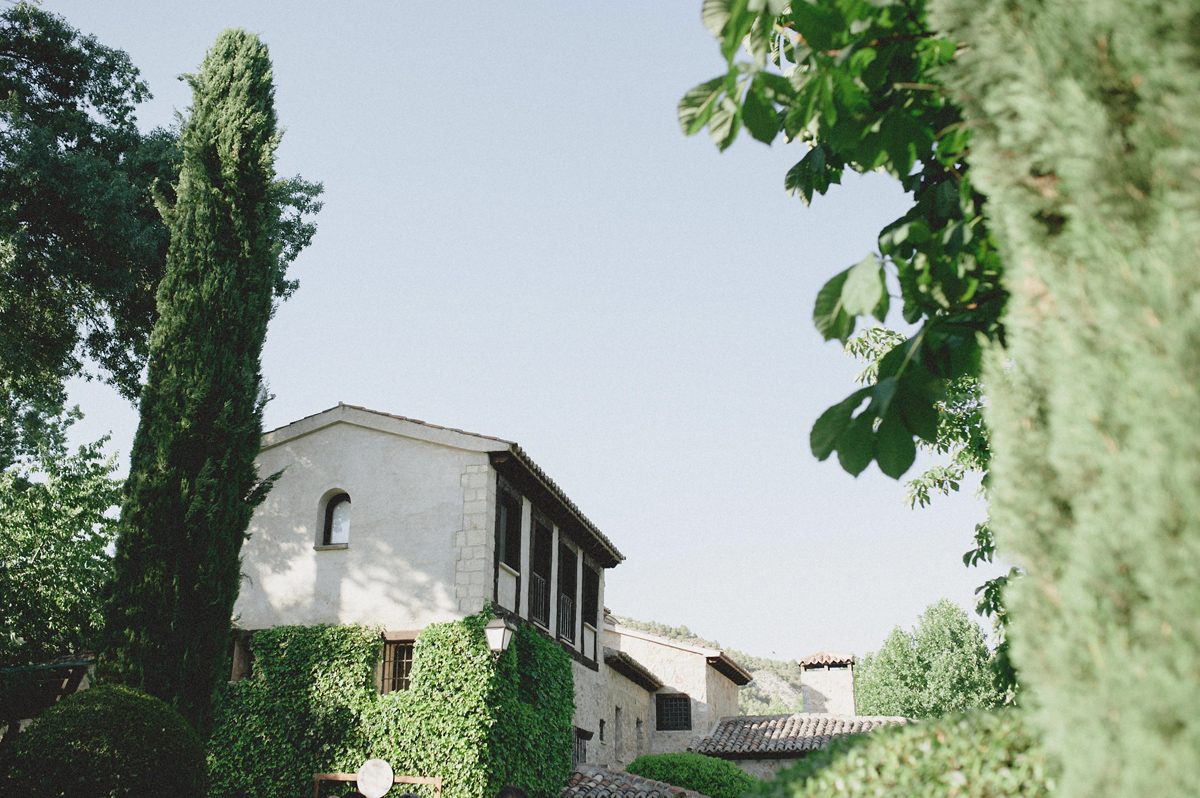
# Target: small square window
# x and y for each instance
(673, 712)
(397, 665)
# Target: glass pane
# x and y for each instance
(339, 530)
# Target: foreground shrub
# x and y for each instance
(980, 755)
(704, 774)
(107, 742)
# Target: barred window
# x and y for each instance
(673, 712)
(579, 753)
(397, 664)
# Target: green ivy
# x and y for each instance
(311, 705)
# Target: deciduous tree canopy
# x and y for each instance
(55, 528)
(941, 666)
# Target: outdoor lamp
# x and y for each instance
(499, 634)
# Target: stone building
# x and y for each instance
(383, 520)
(827, 683)
(661, 695)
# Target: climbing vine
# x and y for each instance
(311, 705)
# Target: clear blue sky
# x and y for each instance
(517, 240)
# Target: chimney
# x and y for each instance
(827, 683)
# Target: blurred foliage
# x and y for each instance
(979, 755)
(1086, 120)
(857, 83)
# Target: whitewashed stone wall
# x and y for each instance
(413, 499)
(828, 690)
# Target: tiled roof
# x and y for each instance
(631, 669)
(784, 736)
(595, 781)
(826, 658)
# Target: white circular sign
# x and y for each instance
(375, 778)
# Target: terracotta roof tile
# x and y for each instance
(784, 736)
(597, 781)
(826, 658)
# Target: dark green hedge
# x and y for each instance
(980, 755)
(311, 705)
(106, 742)
(1085, 120)
(705, 774)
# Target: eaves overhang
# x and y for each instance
(528, 477)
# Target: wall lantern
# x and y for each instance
(499, 634)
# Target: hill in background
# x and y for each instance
(776, 686)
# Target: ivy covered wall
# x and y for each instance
(311, 705)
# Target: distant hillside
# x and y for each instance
(776, 685)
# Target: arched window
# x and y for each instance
(337, 520)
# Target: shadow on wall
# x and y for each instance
(381, 584)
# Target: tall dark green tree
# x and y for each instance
(82, 247)
(193, 483)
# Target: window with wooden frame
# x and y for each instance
(567, 582)
(591, 596)
(508, 528)
(336, 529)
(673, 712)
(579, 752)
(397, 665)
(539, 582)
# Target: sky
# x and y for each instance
(517, 240)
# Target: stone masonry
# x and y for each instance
(476, 539)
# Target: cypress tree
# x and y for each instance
(193, 483)
(1087, 143)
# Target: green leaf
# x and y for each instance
(759, 114)
(864, 289)
(777, 7)
(696, 107)
(829, 317)
(881, 396)
(920, 414)
(725, 122)
(816, 23)
(741, 19)
(895, 450)
(855, 446)
(833, 423)
(715, 15)
(759, 41)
